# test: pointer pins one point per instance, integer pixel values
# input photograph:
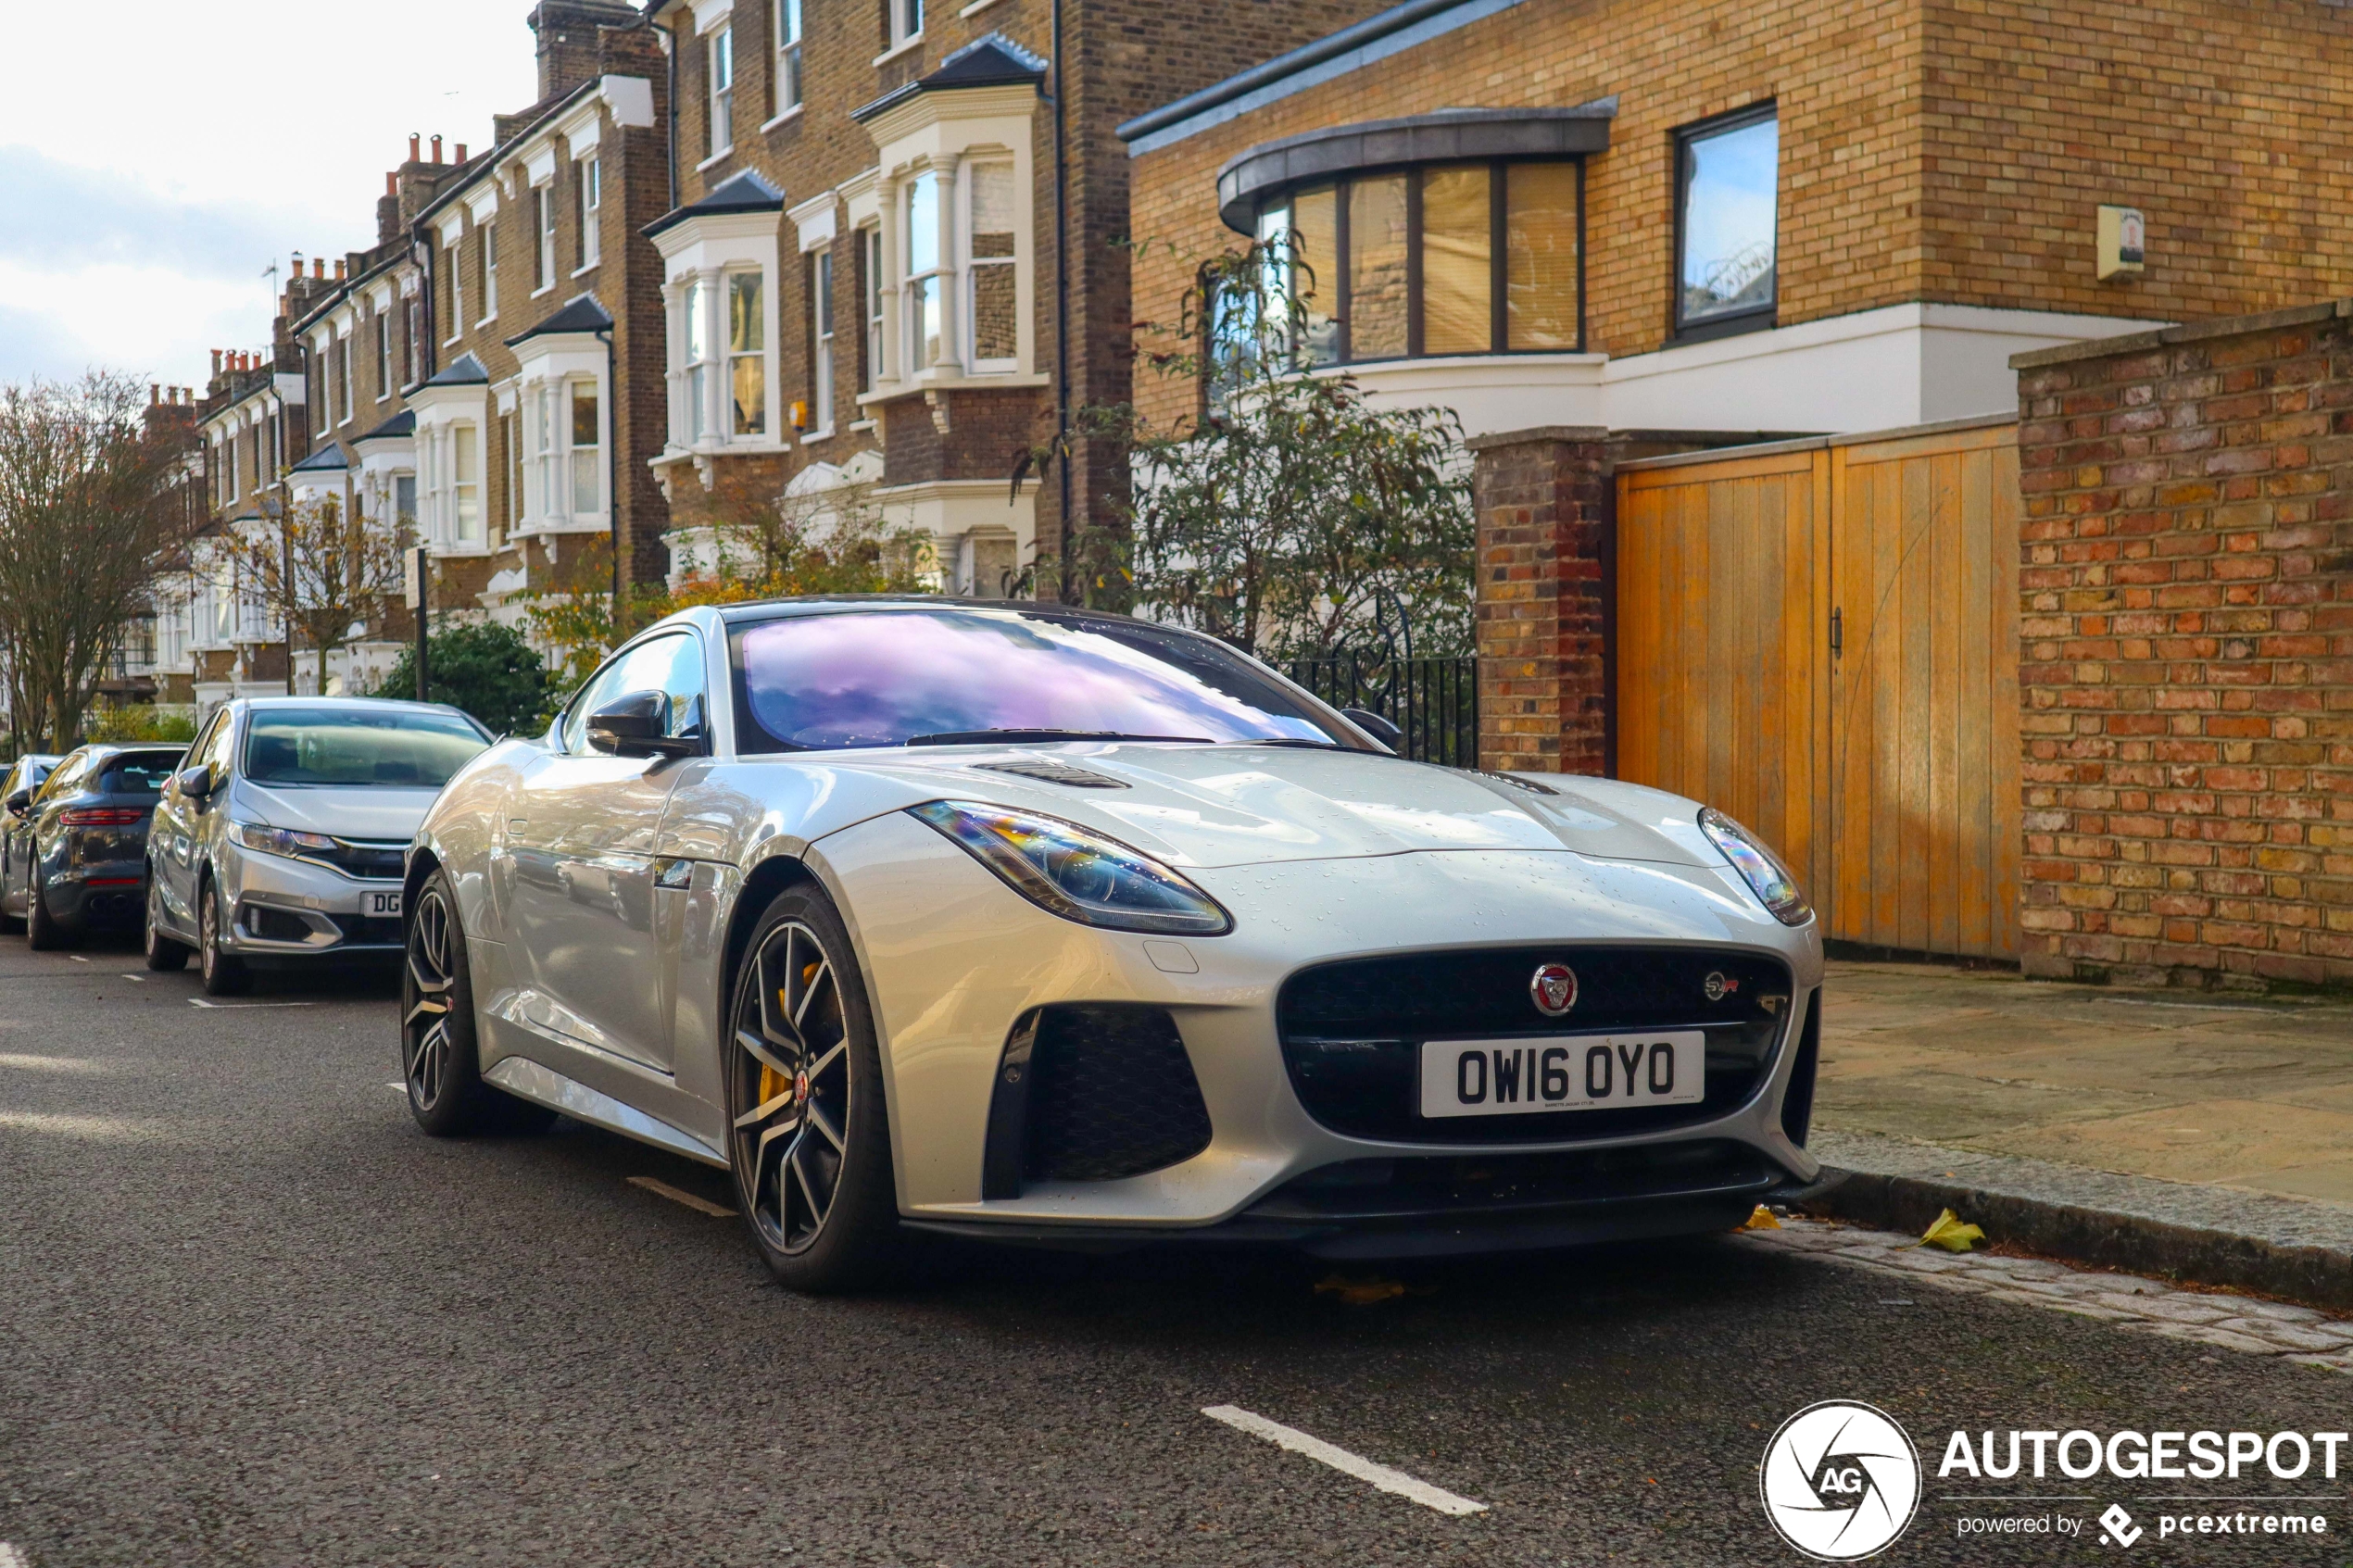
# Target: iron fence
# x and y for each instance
(1433, 701)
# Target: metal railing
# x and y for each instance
(1433, 701)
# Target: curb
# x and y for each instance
(2315, 1277)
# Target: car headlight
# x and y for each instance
(1076, 874)
(1763, 872)
(279, 840)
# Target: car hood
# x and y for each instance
(354, 811)
(1255, 805)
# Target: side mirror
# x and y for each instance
(1374, 725)
(194, 783)
(18, 800)
(637, 724)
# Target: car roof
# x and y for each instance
(821, 604)
(355, 703)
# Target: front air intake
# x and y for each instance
(1092, 1092)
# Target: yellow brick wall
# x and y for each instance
(1950, 152)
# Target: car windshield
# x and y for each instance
(867, 677)
(138, 773)
(392, 749)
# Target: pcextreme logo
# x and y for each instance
(1840, 1481)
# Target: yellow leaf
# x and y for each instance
(1359, 1292)
(1762, 1219)
(1950, 1234)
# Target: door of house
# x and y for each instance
(1822, 639)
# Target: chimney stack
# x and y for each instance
(319, 268)
(413, 140)
(339, 269)
(461, 152)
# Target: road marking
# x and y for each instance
(77, 957)
(135, 979)
(665, 1190)
(230, 1007)
(1340, 1459)
(10, 1557)
(402, 1087)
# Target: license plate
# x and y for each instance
(1563, 1073)
(384, 903)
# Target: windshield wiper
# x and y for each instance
(1019, 736)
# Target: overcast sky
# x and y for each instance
(136, 218)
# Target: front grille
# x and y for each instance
(384, 862)
(370, 931)
(1111, 1093)
(1436, 1184)
(1352, 1031)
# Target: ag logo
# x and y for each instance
(1840, 1481)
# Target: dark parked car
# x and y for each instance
(83, 864)
(27, 772)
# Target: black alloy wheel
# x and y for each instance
(224, 974)
(44, 932)
(807, 1138)
(165, 953)
(440, 1063)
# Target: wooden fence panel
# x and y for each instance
(1886, 774)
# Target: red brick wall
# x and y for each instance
(2187, 661)
(1543, 504)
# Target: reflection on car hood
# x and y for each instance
(1254, 805)
(344, 812)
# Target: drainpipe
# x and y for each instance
(1061, 289)
(612, 469)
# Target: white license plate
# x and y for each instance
(384, 903)
(1563, 1073)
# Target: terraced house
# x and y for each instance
(893, 257)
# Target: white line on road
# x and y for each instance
(689, 1200)
(402, 1087)
(141, 979)
(1340, 1459)
(77, 957)
(228, 1007)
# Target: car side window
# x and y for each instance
(672, 665)
(214, 753)
(66, 778)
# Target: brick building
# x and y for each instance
(860, 269)
(1796, 216)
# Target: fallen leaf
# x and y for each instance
(1762, 1219)
(1951, 1234)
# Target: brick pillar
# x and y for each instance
(1544, 501)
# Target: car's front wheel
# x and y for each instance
(440, 1063)
(164, 953)
(810, 1139)
(225, 974)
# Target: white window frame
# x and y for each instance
(719, 75)
(588, 198)
(940, 273)
(821, 357)
(453, 253)
(790, 88)
(453, 444)
(543, 207)
(384, 355)
(728, 356)
(701, 306)
(906, 23)
(570, 390)
(969, 267)
(869, 241)
(343, 377)
(487, 246)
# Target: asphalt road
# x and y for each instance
(248, 1313)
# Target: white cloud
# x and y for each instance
(233, 133)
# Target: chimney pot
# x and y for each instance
(216, 362)
(413, 140)
(392, 182)
(436, 149)
(155, 393)
(461, 152)
(338, 269)
(318, 266)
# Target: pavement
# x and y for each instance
(249, 1314)
(2209, 1137)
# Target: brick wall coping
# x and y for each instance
(2189, 332)
(1535, 432)
(1815, 443)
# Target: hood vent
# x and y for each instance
(1046, 769)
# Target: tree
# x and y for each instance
(489, 670)
(85, 525)
(1291, 516)
(834, 540)
(321, 571)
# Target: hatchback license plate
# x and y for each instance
(384, 903)
(1563, 1073)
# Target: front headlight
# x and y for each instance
(279, 840)
(1758, 867)
(1076, 874)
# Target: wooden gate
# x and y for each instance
(1821, 638)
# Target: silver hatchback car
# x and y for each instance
(282, 838)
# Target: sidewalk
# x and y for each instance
(2208, 1138)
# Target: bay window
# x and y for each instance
(1727, 174)
(746, 355)
(465, 484)
(870, 249)
(1482, 257)
(991, 302)
(787, 56)
(699, 360)
(586, 450)
(719, 57)
(926, 275)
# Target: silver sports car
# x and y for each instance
(1030, 923)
